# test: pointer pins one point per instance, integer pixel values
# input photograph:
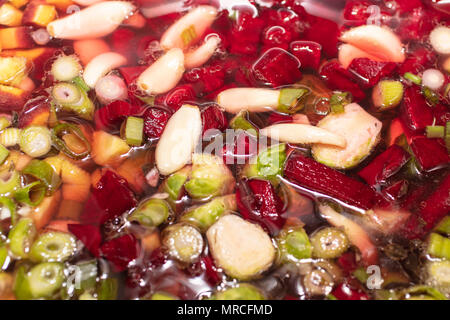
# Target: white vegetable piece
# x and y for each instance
(179, 140)
(188, 30)
(101, 65)
(359, 128)
(440, 39)
(433, 79)
(199, 56)
(303, 134)
(242, 249)
(252, 99)
(164, 74)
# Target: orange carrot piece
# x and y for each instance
(89, 49)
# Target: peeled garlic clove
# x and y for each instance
(251, 99)
(101, 65)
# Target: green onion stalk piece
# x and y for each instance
(21, 287)
(241, 122)
(43, 172)
(163, 296)
(205, 215)
(5, 122)
(53, 246)
(9, 181)
(8, 204)
(21, 237)
(329, 243)
(67, 128)
(66, 68)
(421, 293)
(291, 100)
(438, 274)
(151, 213)
(134, 131)
(413, 78)
(188, 35)
(31, 194)
(294, 245)
(4, 153)
(444, 226)
(45, 279)
(431, 96)
(387, 94)
(435, 131)
(339, 100)
(173, 185)
(209, 177)
(84, 275)
(108, 289)
(73, 98)
(269, 163)
(241, 292)
(79, 82)
(35, 141)
(4, 261)
(183, 242)
(361, 275)
(439, 246)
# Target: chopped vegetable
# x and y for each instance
(447, 135)
(42, 171)
(431, 96)
(35, 141)
(294, 244)
(5, 122)
(173, 184)
(134, 131)
(162, 296)
(241, 122)
(183, 242)
(4, 153)
(45, 279)
(387, 94)
(8, 208)
(329, 243)
(439, 246)
(72, 97)
(438, 274)
(31, 194)
(290, 100)
(61, 131)
(435, 131)
(243, 291)
(10, 181)
(151, 212)
(339, 100)
(66, 68)
(21, 237)
(53, 247)
(10, 137)
(413, 78)
(444, 226)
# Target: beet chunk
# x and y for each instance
(155, 120)
(213, 118)
(430, 153)
(370, 72)
(112, 115)
(326, 33)
(88, 234)
(176, 97)
(308, 52)
(120, 251)
(414, 111)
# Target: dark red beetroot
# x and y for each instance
(308, 52)
(88, 234)
(112, 115)
(369, 72)
(109, 198)
(155, 120)
(347, 262)
(245, 34)
(385, 165)
(417, 24)
(243, 148)
(317, 177)
(339, 78)
(279, 118)
(276, 36)
(326, 33)
(120, 251)
(212, 272)
(213, 118)
(418, 60)
(345, 291)
(403, 6)
(122, 41)
(277, 67)
(396, 190)
(441, 113)
(205, 79)
(357, 11)
(175, 98)
(130, 74)
(430, 153)
(414, 111)
(257, 201)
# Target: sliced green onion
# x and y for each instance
(4, 153)
(21, 284)
(422, 293)
(108, 289)
(337, 108)
(8, 204)
(35, 141)
(151, 213)
(361, 275)
(67, 128)
(339, 100)
(439, 246)
(188, 35)
(290, 100)
(5, 122)
(10, 137)
(438, 273)
(45, 279)
(66, 68)
(173, 185)
(294, 244)
(329, 243)
(387, 94)
(4, 257)
(413, 78)
(9, 181)
(241, 122)
(431, 96)
(435, 131)
(32, 194)
(183, 242)
(444, 226)
(134, 131)
(73, 98)
(21, 237)
(81, 84)
(53, 246)
(270, 162)
(43, 172)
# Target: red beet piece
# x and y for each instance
(403, 6)
(122, 41)
(385, 165)
(339, 78)
(430, 153)
(257, 201)
(109, 198)
(177, 96)
(308, 52)
(213, 118)
(347, 262)
(275, 118)
(357, 11)
(88, 234)
(326, 33)
(414, 111)
(130, 74)
(247, 29)
(244, 147)
(417, 24)
(276, 36)
(277, 67)
(441, 113)
(155, 120)
(369, 72)
(205, 79)
(212, 273)
(418, 60)
(112, 115)
(397, 190)
(345, 291)
(121, 251)
(317, 177)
